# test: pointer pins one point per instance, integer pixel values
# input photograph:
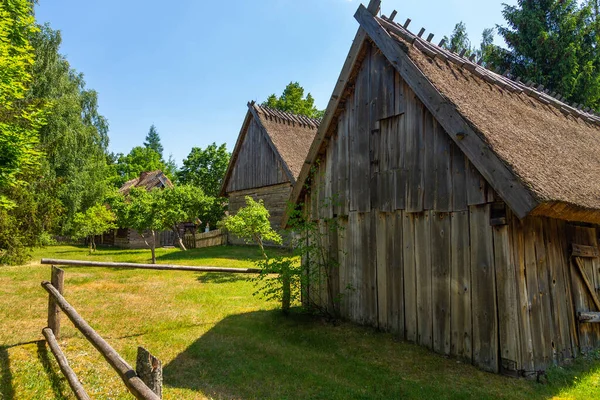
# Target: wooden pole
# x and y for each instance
(74, 383)
(132, 381)
(162, 267)
(149, 369)
(57, 279)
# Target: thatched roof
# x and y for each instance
(549, 150)
(148, 180)
(289, 135)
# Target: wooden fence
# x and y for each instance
(145, 382)
(206, 239)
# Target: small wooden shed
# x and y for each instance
(267, 159)
(469, 204)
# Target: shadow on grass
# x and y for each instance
(268, 356)
(216, 277)
(53, 377)
(6, 389)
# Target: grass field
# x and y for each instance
(216, 340)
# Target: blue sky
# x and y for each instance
(190, 66)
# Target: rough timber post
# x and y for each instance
(57, 280)
(149, 369)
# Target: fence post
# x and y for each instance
(57, 280)
(149, 369)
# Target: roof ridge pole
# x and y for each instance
(374, 6)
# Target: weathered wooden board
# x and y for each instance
(485, 325)
(381, 220)
(459, 179)
(460, 295)
(475, 186)
(429, 161)
(579, 250)
(440, 275)
(507, 292)
(395, 281)
(443, 171)
(544, 281)
(423, 273)
(414, 154)
(410, 277)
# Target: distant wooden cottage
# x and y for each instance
(129, 238)
(469, 204)
(267, 159)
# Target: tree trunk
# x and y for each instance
(90, 244)
(153, 247)
(93, 244)
(179, 239)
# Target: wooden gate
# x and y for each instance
(585, 280)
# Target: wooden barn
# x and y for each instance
(128, 238)
(469, 207)
(267, 159)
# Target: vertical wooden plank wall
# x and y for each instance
(418, 250)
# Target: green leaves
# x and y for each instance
(96, 220)
(292, 100)
(153, 141)
(206, 168)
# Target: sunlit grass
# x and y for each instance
(218, 341)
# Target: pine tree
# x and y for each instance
(553, 43)
(292, 100)
(153, 141)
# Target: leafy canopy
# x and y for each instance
(292, 100)
(96, 220)
(205, 168)
(20, 119)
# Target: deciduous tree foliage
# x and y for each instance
(206, 168)
(20, 118)
(553, 43)
(95, 221)
(140, 159)
(75, 138)
(292, 100)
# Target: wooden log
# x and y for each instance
(57, 279)
(64, 366)
(130, 378)
(149, 369)
(160, 267)
(589, 317)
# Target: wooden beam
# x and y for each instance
(149, 369)
(579, 250)
(64, 366)
(504, 182)
(393, 15)
(407, 23)
(158, 267)
(589, 317)
(587, 282)
(128, 376)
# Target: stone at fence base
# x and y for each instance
(149, 369)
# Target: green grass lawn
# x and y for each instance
(216, 340)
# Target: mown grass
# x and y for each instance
(218, 341)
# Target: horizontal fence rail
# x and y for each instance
(133, 382)
(74, 383)
(160, 267)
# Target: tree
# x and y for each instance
(553, 43)
(20, 118)
(292, 100)
(252, 224)
(182, 203)
(153, 141)
(75, 137)
(96, 220)
(459, 40)
(140, 159)
(205, 168)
